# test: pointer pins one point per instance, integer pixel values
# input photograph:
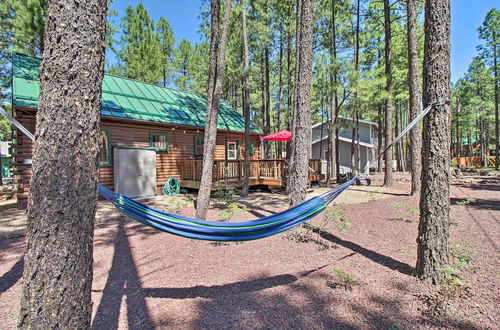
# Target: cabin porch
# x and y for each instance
(269, 172)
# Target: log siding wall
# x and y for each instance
(130, 134)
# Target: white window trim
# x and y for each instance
(229, 157)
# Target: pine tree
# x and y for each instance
(182, 64)
(301, 124)
(433, 230)
(28, 26)
(215, 77)
(142, 52)
(58, 259)
(167, 41)
(388, 88)
(490, 33)
(414, 101)
(246, 100)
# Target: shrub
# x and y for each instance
(336, 215)
(344, 280)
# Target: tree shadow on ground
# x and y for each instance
(253, 209)
(379, 192)
(480, 204)
(123, 281)
(217, 291)
(372, 255)
(256, 302)
(302, 305)
(480, 186)
(12, 276)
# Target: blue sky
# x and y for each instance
(467, 16)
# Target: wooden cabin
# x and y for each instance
(148, 134)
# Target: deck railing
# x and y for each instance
(191, 169)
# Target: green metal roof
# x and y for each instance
(130, 99)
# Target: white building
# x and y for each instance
(367, 143)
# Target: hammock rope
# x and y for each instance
(223, 231)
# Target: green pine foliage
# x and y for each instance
(148, 51)
(141, 54)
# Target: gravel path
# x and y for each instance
(147, 279)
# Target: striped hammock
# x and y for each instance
(223, 231)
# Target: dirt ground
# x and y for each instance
(359, 278)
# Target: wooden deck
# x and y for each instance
(269, 172)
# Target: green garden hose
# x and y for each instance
(171, 187)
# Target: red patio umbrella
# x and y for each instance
(279, 136)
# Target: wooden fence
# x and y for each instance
(227, 170)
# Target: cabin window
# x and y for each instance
(159, 141)
(198, 145)
(105, 147)
(252, 148)
(232, 150)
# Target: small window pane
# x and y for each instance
(104, 147)
(198, 145)
(231, 150)
(159, 141)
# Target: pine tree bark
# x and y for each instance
(215, 77)
(301, 134)
(263, 94)
(332, 168)
(267, 127)
(433, 228)
(388, 87)
(379, 138)
(355, 143)
(280, 95)
(58, 258)
(246, 101)
(497, 131)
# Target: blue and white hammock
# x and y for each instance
(214, 231)
(223, 231)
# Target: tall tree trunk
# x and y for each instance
(458, 135)
(332, 168)
(356, 101)
(388, 88)
(469, 148)
(289, 80)
(379, 138)
(396, 147)
(337, 152)
(353, 145)
(246, 101)
(495, 72)
(301, 138)
(289, 88)
(358, 149)
(267, 127)
(58, 257)
(280, 95)
(433, 230)
(216, 74)
(263, 101)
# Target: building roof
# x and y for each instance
(341, 138)
(130, 99)
(350, 119)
